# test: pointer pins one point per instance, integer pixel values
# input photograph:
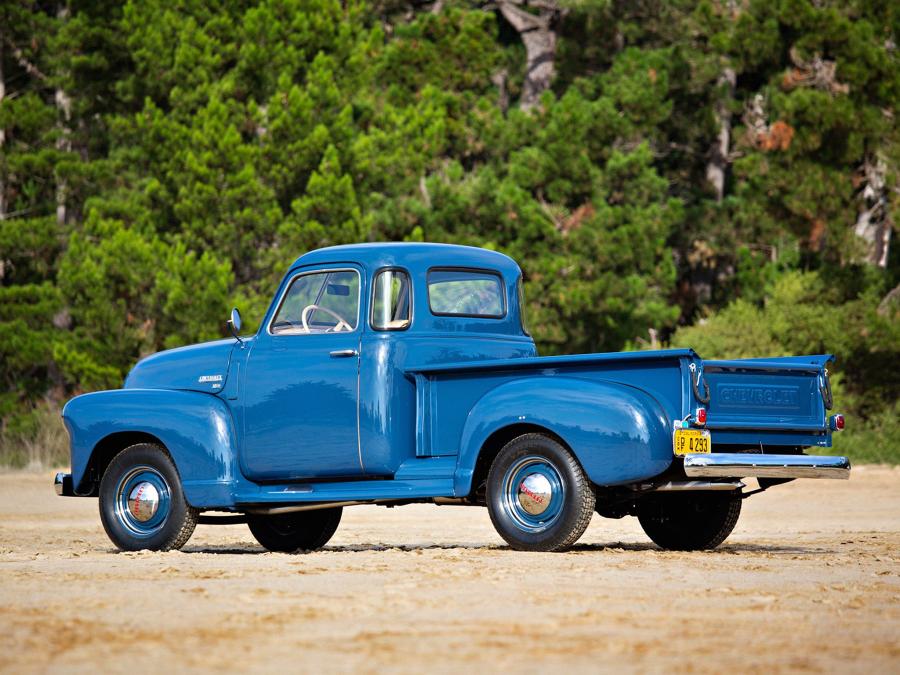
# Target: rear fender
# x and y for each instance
(618, 433)
(195, 428)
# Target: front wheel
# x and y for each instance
(537, 495)
(289, 532)
(142, 505)
(690, 522)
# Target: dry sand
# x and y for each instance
(807, 582)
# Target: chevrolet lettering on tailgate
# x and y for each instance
(759, 396)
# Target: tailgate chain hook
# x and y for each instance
(695, 385)
(825, 388)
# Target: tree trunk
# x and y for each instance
(500, 79)
(876, 231)
(64, 140)
(538, 33)
(2, 141)
(874, 223)
(718, 163)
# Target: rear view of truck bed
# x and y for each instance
(780, 401)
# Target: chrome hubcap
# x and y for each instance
(535, 493)
(143, 502)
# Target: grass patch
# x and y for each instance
(872, 441)
(38, 441)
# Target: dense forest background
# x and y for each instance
(717, 174)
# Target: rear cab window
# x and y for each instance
(466, 292)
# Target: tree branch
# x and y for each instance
(23, 61)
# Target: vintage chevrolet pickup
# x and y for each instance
(400, 373)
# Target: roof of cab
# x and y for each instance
(412, 255)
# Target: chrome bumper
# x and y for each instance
(63, 485)
(741, 465)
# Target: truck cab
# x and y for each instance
(342, 328)
(400, 373)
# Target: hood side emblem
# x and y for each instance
(215, 379)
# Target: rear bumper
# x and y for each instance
(741, 465)
(63, 485)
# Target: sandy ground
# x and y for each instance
(807, 582)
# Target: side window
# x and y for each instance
(320, 302)
(465, 293)
(391, 301)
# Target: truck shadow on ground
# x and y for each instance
(613, 547)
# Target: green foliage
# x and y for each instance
(875, 441)
(161, 162)
(805, 314)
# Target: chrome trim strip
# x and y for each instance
(739, 465)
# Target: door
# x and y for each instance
(301, 388)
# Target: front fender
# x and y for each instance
(196, 429)
(618, 433)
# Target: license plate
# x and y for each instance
(691, 440)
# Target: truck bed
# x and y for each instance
(753, 404)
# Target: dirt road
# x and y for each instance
(807, 582)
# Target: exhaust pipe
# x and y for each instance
(295, 508)
(698, 486)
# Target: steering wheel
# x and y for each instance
(337, 328)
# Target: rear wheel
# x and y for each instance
(690, 522)
(289, 532)
(142, 505)
(537, 495)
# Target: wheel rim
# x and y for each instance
(143, 500)
(533, 494)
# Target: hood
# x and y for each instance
(202, 367)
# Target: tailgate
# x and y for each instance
(778, 394)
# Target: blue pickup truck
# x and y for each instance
(404, 373)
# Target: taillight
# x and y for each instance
(700, 416)
(836, 422)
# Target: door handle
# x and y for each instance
(342, 353)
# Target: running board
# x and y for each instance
(741, 465)
(292, 494)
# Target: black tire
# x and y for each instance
(300, 531)
(173, 520)
(690, 521)
(553, 514)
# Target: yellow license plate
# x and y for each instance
(692, 440)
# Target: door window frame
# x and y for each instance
(303, 273)
(409, 277)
